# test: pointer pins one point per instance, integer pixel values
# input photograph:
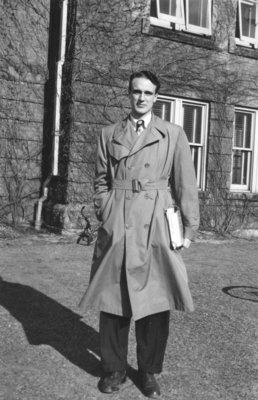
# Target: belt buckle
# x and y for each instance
(136, 186)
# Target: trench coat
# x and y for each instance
(135, 272)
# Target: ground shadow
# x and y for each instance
(132, 374)
(46, 321)
(248, 293)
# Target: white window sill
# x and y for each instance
(162, 23)
(178, 27)
(245, 43)
(239, 189)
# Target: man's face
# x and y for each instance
(142, 96)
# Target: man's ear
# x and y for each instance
(155, 98)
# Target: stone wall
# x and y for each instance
(23, 73)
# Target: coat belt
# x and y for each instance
(137, 185)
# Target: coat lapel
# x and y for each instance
(122, 134)
(154, 132)
(121, 145)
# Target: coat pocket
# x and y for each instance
(100, 203)
(106, 207)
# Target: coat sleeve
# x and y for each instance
(185, 186)
(102, 176)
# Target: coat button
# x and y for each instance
(147, 165)
(146, 226)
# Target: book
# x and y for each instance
(175, 225)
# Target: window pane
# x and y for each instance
(248, 126)
(198, 13)
(171, 7)
(242, 134)
(238, 135)
(241, 166)
(162, 109)
(245, 168)
(195, 157)
(164, 6)
(236, 175)
(248, 13)
(192, 122)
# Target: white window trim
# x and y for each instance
(246, 40)
(160, 22)
(177, 118)
(240, 42)
(180, 24)
(253, 170)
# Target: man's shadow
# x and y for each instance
(46, 321)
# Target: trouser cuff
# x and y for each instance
(113, 367)
(151, 369)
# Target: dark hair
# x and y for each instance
(145, 74)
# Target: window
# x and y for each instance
(188, 15)
(193, 117)
(248, 21)
(244, 158)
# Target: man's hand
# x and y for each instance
(186, 243)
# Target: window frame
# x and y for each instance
(252, 174)
(181, 24)
(176, 116)
(247, 40)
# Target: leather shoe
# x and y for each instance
(148, 384)
(111, 381)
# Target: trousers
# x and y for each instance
(151, 339)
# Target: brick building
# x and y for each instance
(205, 53)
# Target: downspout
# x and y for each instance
(57, 112)
(59, 75)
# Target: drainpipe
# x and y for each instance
(59, 73)
(40, 202)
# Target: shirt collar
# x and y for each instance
(146, 118)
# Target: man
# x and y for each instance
(140, 172)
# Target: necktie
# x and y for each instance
(139, 126)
